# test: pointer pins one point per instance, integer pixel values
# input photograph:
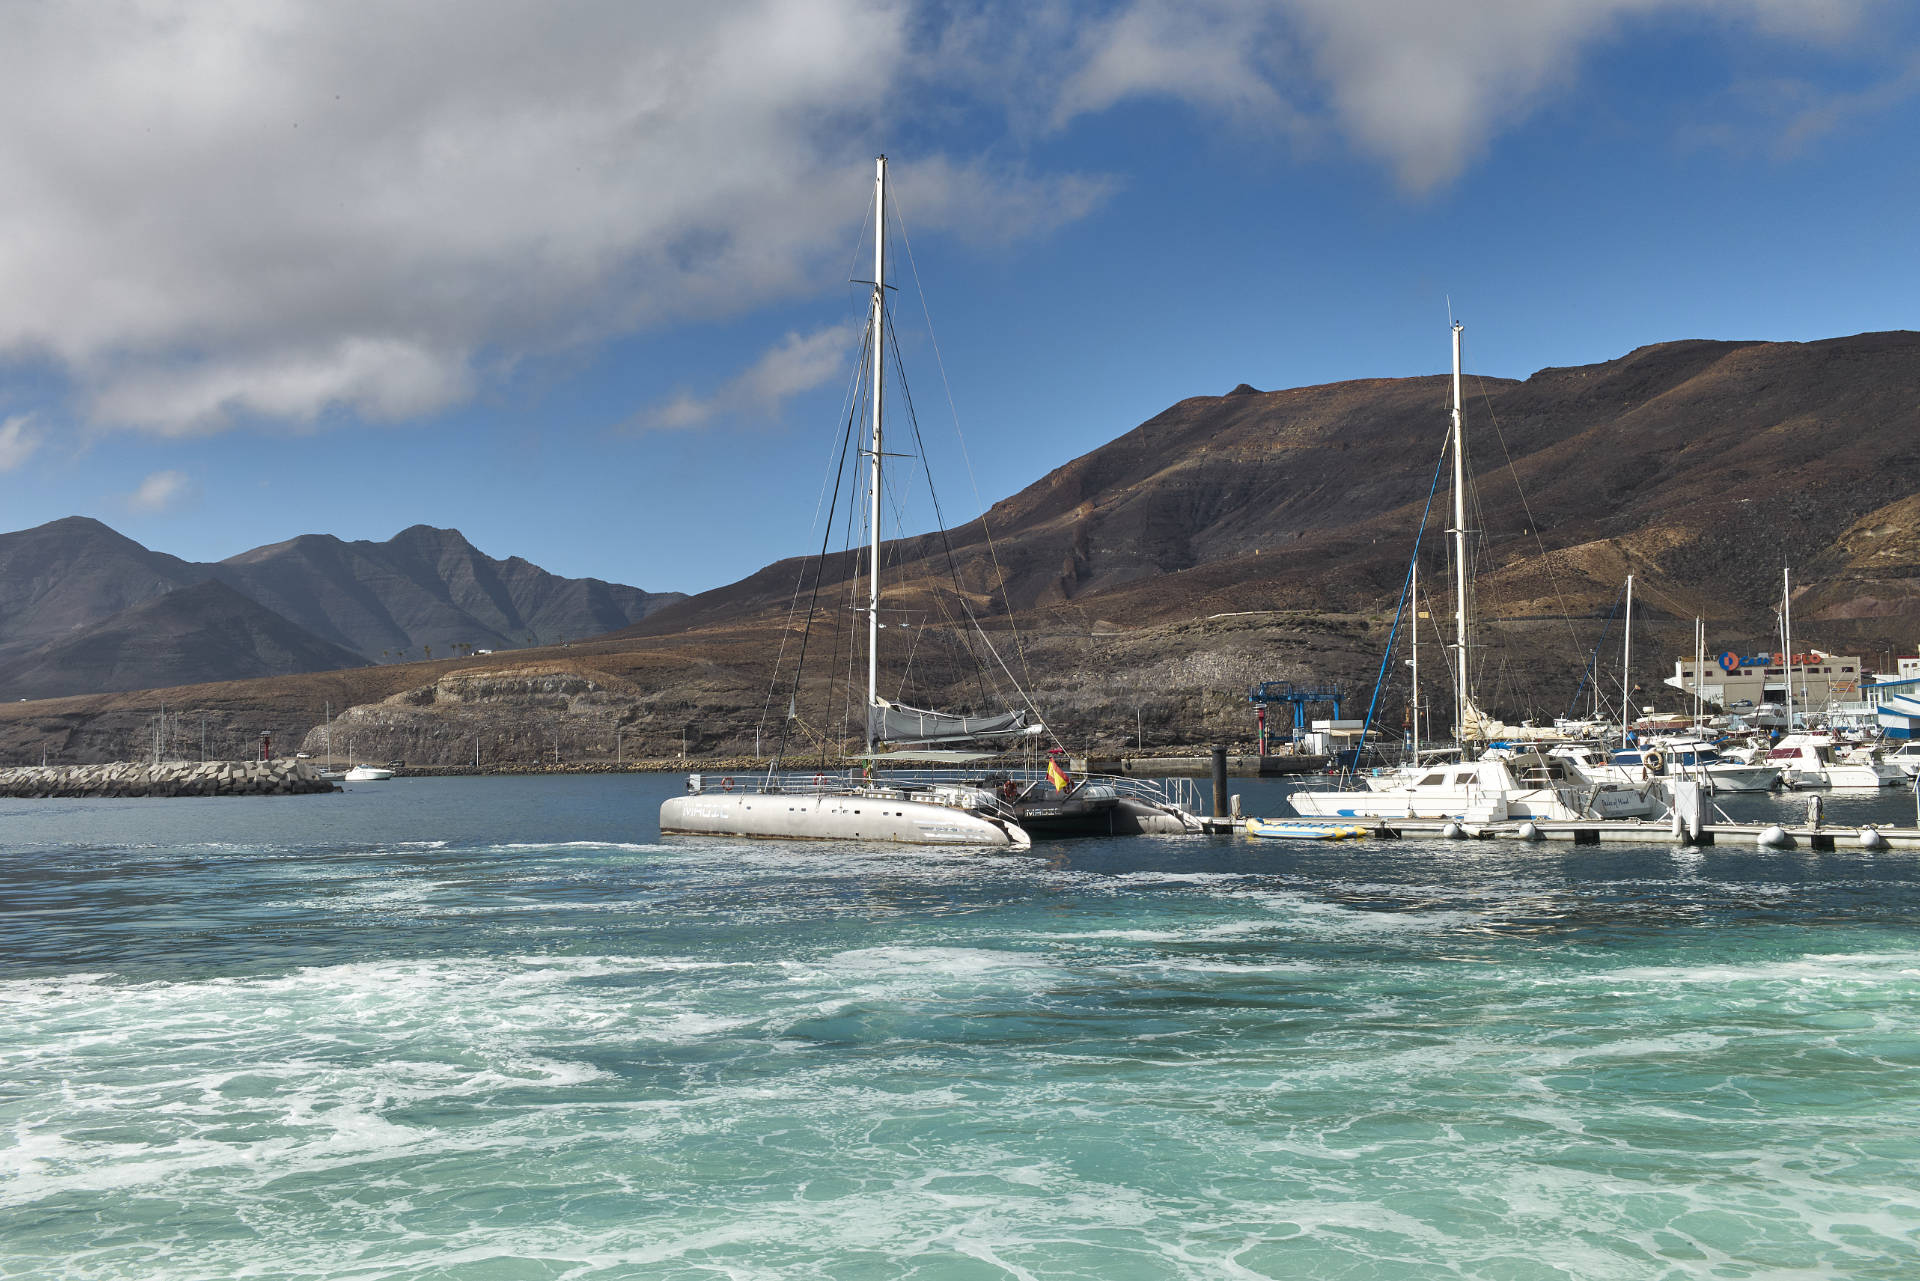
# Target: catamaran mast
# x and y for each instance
(1462, 702)
(877, 325)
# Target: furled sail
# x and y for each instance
(898, 723)
(1479, 727)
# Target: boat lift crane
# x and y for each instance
(1287, 692)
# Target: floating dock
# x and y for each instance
(1823, 837)
(1238, 766)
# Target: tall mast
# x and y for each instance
(1461, 700)
(1416, 660)
(1699, 671)
(877, 325)
(1786, 635)
(1626, 668)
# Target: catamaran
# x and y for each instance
(893, 807)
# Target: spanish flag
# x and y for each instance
(1056, 775)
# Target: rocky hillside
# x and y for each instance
(1138, 590)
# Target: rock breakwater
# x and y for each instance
(169, 778)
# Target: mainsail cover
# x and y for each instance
(897, 723)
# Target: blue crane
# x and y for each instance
(1299, 695)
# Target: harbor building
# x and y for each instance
(1739, 682)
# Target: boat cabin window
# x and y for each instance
(1464, 776)
(1433, 780)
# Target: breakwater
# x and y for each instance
(169, 778)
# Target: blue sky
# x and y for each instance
(571, 278)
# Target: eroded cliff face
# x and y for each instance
(517, 715)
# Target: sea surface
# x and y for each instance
(497, 1028)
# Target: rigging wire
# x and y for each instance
(1405, 589)
(1025, 680)
(848, 403)
(1533, 525)
(939, 516)
(820, 570)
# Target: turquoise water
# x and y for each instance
(497, 1028)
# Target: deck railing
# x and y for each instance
(1181, 793)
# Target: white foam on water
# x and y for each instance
(1196, 933)
(625, 847)
(1826, 968)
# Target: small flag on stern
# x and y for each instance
(1056, 775)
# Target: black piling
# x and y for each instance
(1219, 782)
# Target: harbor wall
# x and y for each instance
(169, 778)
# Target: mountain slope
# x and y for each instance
(206, 632)
(1702, 465)
(73, 573)
(427, 588)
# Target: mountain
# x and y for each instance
(67, 589)
(207, 632)
(72, 573)
(428, 588)
(1264, 535)
(1702, 466)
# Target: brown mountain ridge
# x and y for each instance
(1265, 534)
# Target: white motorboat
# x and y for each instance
(1907, 757)
(1500, 785)
(870, 806)
(1814, 760)
(367, 774)
(1678, 758)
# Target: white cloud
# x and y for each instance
(1422, 86)
(18, 440)
(799, 362)
(160, 492)
(225, 208)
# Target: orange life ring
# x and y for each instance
(726, 784)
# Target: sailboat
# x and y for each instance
(893, 808)
(1509, 782)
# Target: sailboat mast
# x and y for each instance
(1415, 592)
(1626, 668)
(878, 327)
(1462, 702)
(1786, 635)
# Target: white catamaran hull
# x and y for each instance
(776, 816)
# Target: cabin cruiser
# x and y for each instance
(1673, 758)
(1815, 760)
(1907, 757)
(1502, 784)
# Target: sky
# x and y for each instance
(573, 277)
